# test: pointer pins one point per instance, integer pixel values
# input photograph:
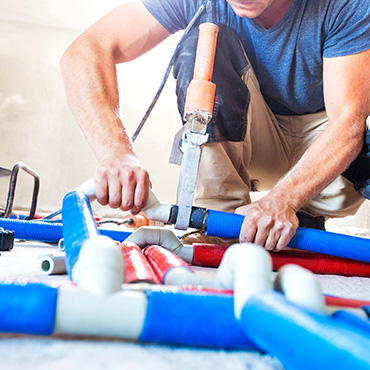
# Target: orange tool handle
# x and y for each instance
(201, 91)
(137, 221)
(206, 50)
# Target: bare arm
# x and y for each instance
(272, 220)
(89, 73)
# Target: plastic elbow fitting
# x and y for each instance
(88, 187)
(152, 235)
(155, 210)
(301, 287)
(247, 269)
(99, 268)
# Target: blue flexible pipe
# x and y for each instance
(350, 319)
(321, 342)
(228, 225)
(193, 319)
(49, 232)
(31, 230)
(27, 309)
(78, 225)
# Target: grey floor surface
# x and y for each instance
(76, 352)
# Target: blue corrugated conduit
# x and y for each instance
(78, 225)
(228, 225)
(322, 342)
(359, 324)
(49, 232)
(27, 309)
(193, 319)
(30, 230)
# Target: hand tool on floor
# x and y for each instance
(197, 113)
(13, 174)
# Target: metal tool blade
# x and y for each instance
(5, 172)
(192, 147)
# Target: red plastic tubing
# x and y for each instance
(136, 267)
(210, 255)
(162, 260)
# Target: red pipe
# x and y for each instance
(210, 255)
(329, 300)
(162, 260)
(345, 302)
(135, 266)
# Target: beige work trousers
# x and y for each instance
(272, 146)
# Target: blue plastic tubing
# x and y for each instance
(193, 319)
(319, 342)
(48, 232)
(228, 225)
(27, 309)
(79, 226)
(358, 323)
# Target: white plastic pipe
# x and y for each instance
(154, 209)
(148, 235)
(300, 286)
(99, 268)
(121, 314)
(53, 265)
(247, 269)
(181, 275)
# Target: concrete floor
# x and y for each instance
(77, 352)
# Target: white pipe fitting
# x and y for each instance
(182, 275)
(152, 235)
(53, 265)
(246, 268)
(88, 187)
(154, 209)
(186, 252)
(121, 314)
(300, 286)
(99, 268)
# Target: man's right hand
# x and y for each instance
(122, 182)
(90, 77)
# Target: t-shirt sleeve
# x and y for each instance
(174, 15)
(347, 28)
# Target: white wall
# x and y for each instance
(36, 124)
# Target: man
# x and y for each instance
(307, 74)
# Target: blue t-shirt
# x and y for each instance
(288, 57)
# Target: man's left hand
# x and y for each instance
(268, 222)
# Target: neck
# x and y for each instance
(274, 13)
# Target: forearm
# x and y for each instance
(325, 160)
(91, 87)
